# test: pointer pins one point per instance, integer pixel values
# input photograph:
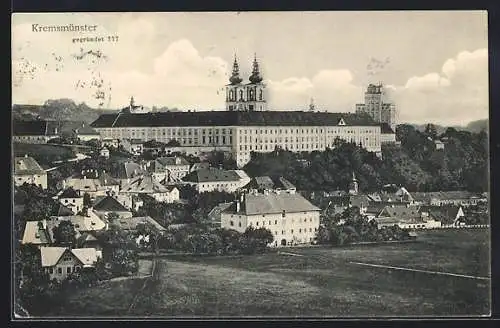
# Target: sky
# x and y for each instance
(434, 64)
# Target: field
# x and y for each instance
(309, 282)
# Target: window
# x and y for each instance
(59, 270)
(283, 214)
(231, 223)
(275, 221)
(68, 270)
(239, 224)
(292, 231)
(51, 270)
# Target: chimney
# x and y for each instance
(25, 155)
(238, 206)
(44, 224)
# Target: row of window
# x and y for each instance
(68, 270)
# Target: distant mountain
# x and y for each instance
(477, 126)
(474, 126)
(58, 109)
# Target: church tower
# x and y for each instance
(246, 97)
(256, 89)
(353, 185)
(235, 90)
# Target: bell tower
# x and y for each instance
(256, 89)
(235, 90)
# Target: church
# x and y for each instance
(246, 125)
(248, 96)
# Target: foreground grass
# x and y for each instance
(321, 283)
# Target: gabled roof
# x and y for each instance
(109, 204)
(273, 203)
(69, 193)
(61, 210)
(212, 175)
(130, 170)
(27, 165)
(233, 118)
(144, 184)
(35, 233)
(51, 255)
(133, 222)
(401, 212)
(81, 223)
(217, 210)
(107, 180)
(88, 256)
(446, 213)
(34, 128)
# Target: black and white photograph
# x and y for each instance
(250, 165)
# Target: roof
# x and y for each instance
(107, 180)
(51, 255)
(34, 128)
(27, 165)
(268, 182)
(88, 256)
(69, 193)
(83, 184)
(34, 233)
(444, 195)
(214, 214)
(401, 212)
(273, 203)
(446, 213)
(232, 118)
(130, 170)
(175, 160)
(80, 128)
(81, 223)
(109, 204)
(61, 210)
(144, 184)
(351, 200)
(385, 128)
(199, 166)
(212, 175)
(133, 222)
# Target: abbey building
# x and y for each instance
(246, 126)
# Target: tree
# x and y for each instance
(431, 131)
(64, 233)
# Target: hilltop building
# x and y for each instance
(247, 125)
(377, 106)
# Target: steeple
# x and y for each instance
(235, 76)
(311, 105)
(132, 102)
(255, 77)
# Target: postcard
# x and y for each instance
(251, 165)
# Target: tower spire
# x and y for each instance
(311, 105)
(235, 75)
(255, 77)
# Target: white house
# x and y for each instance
(133, 146)
(213, 179)
(27, 170)
(171, 169)
(147, 185)
(71, 199)
(290, 217)
(60, 262)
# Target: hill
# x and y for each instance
(58, 109)
(474, 127)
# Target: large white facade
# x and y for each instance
(242, 140)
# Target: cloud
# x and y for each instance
(456, 95)
(180, 76)
(332, 90)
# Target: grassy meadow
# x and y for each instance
(308, 282)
